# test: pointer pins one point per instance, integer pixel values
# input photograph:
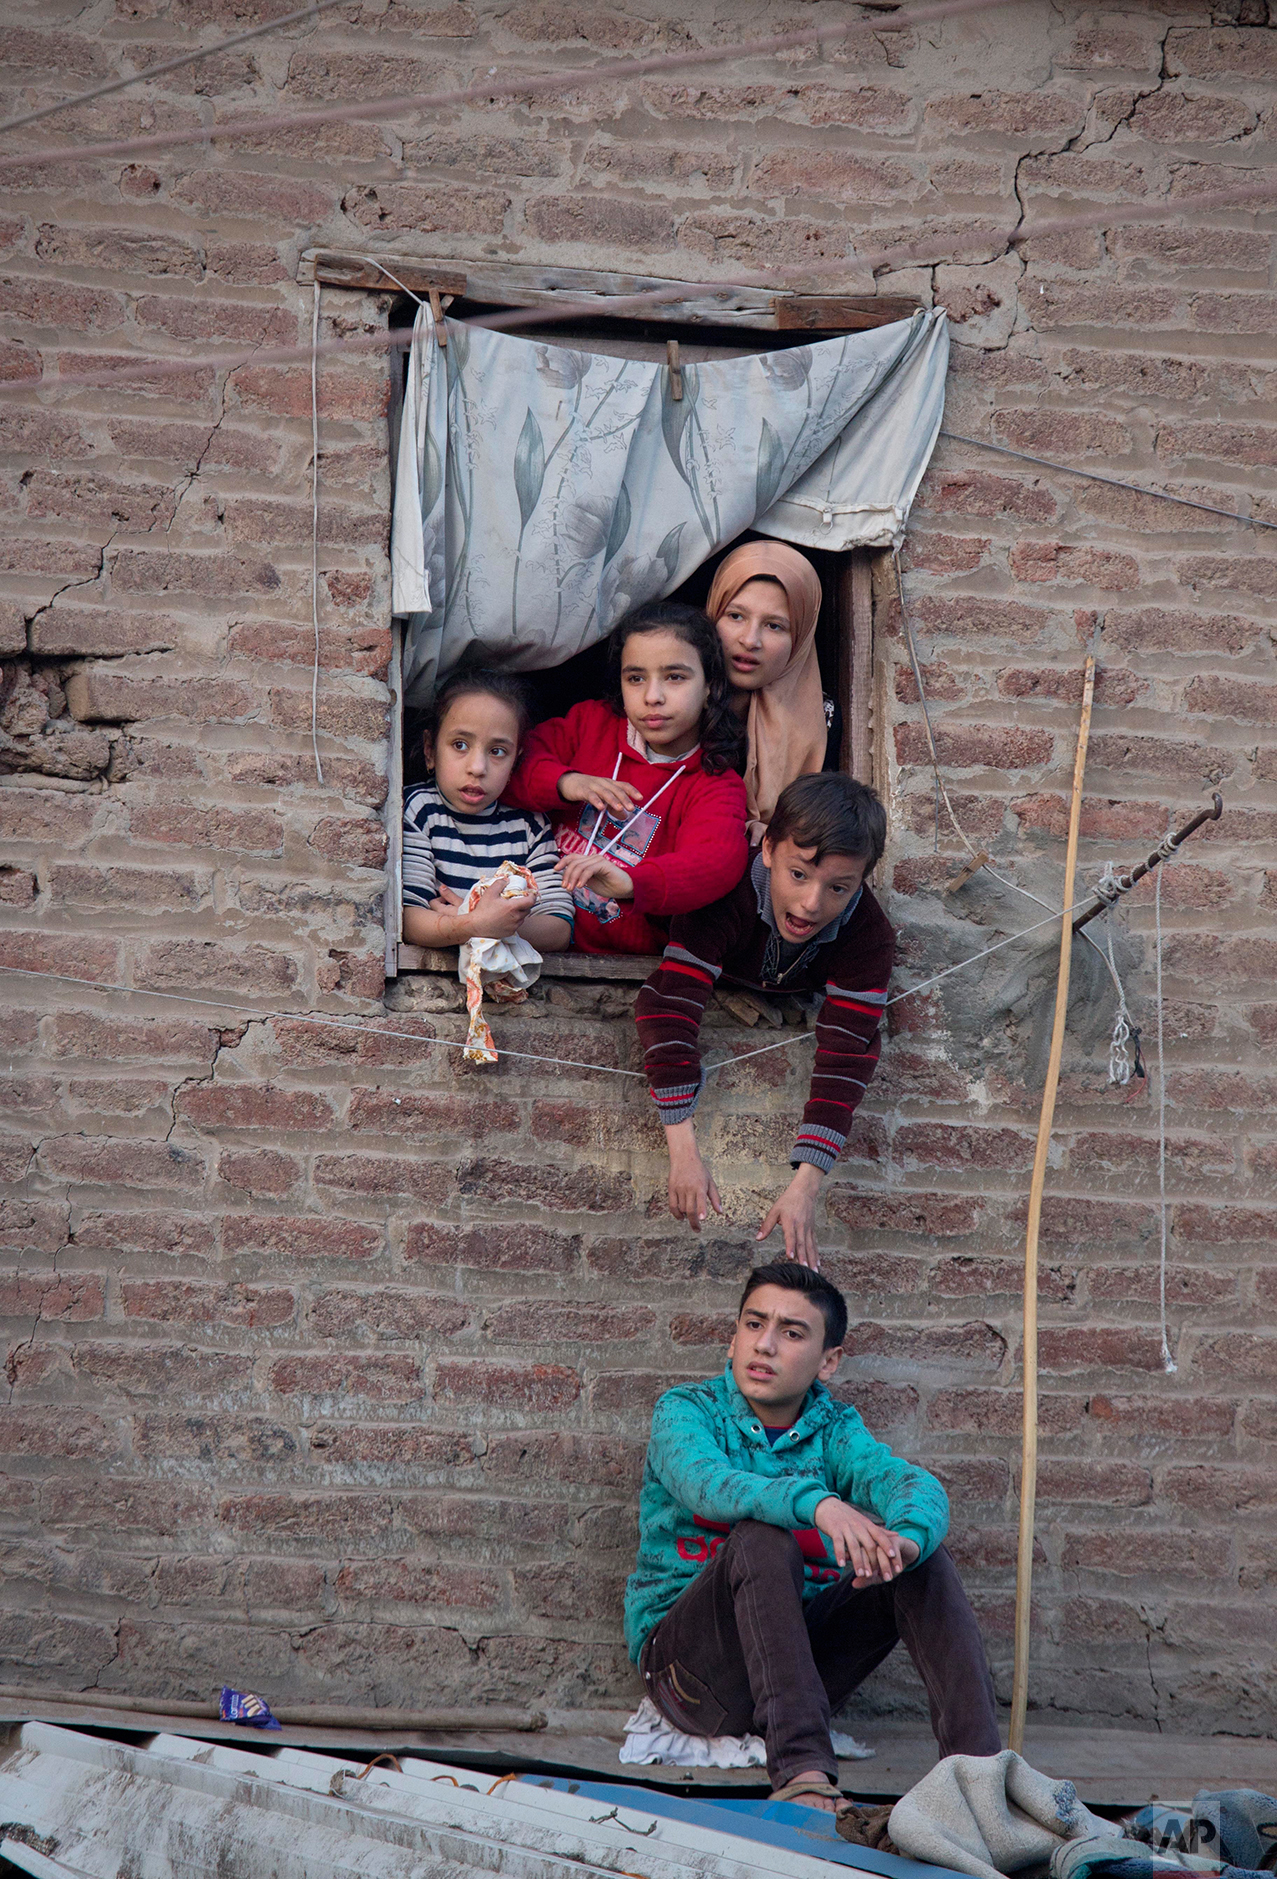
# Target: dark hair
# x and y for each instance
(814, 1285)
(485, 684)
(833, 814)
(722, 734)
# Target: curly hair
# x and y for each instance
(722, 737)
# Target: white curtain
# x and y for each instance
(543, 491)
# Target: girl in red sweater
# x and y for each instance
(648, 812)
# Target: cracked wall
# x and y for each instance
(328, 1360)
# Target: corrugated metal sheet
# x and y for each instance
(179, 1808)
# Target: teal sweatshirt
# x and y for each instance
(709, 1464)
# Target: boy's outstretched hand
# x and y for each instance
(795, 1214)
(601, 792)
(597, 871)
(692, 1190)
(875, 1554)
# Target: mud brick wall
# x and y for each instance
(327, 1359)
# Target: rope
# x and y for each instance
(564, 1063)
(1168, 1362)
(570, 78)
(170, 65)
(979, 856)
(1114, 482)
(314, 528)
(299, 1017)
(1121, 1065)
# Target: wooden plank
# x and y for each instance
(841, 313)
(862, 652)
(525, 284)
(352, 270)
(394, 806)
(622, 967)
(843, 625)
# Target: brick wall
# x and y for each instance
(329, 1359)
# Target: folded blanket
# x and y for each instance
(1100, 1856)
(990, 1814)
(1238, 1825)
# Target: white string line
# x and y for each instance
(925, 985)
(569, 79)
(1168, 1362)
(170, 65)
(979, 856)
(314, 527)
(598, 820)
(400, 339)
(568, 1063)
(350, 1026)
(641, 810)
(1114, 482)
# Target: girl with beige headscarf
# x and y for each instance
(765, 601)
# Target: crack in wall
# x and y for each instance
(67, 587)
(183, 488)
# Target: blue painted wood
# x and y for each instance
(772, 1823)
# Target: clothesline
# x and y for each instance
(360, 1028)
(492, 88)
(310, 11)
(400, 339)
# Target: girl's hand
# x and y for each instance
(445, 901)
(599, 872)
(497, 915)
(601, 792)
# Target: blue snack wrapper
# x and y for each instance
(242, 1706)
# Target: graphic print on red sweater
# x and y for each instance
(696, 848)
(811, 1544)
(597, 829)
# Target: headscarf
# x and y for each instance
(786, 724)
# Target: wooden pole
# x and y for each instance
(855, 663)
(1029, 1454)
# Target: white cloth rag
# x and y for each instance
(649, 1738)
(503, 969)
(990, 1814)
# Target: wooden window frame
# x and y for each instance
(498, 285)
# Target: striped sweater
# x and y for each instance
(849, 961)
(442, 846)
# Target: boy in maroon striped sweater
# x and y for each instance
(800, 920)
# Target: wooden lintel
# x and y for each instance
(623, 966)
(526, 284)
(840, 313)
(347, 270)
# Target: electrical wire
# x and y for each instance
(569, 78)
(314, 528)
(310, 11)
(1114, 482)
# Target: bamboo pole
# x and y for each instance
(1029, 1452)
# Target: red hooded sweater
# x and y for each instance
(686, 851)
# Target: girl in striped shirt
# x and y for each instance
(456, 831)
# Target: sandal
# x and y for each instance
(795, 1789)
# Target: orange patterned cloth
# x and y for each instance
(503, 969)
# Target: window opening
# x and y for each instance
(844, 634)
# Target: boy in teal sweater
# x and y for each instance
(783, 1552)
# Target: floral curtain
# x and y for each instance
(542, 491)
